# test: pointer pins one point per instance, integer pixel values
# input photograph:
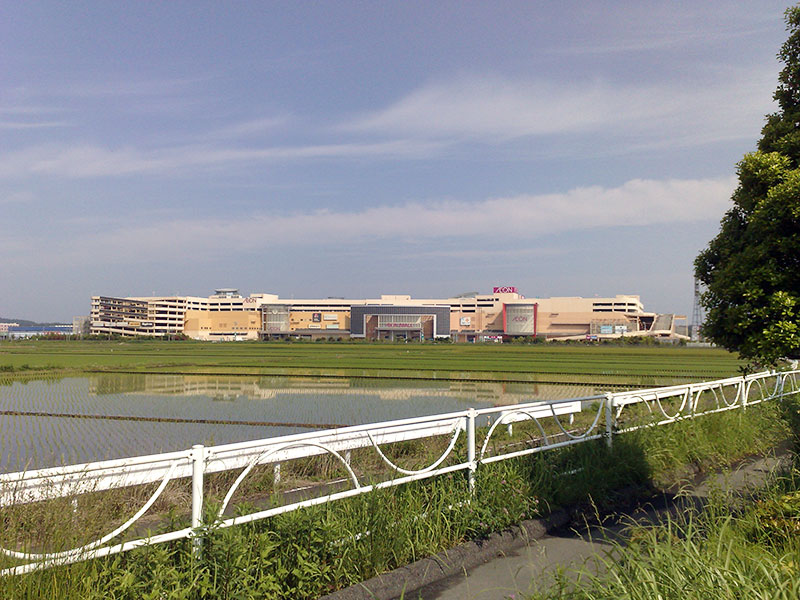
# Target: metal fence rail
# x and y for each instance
(556, 424)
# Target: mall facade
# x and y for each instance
(500, 316)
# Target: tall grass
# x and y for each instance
(728, 550)
(714, 554)
(677, 451)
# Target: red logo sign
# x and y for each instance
(506, 289)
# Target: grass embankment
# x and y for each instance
(714, 555)
(718, 553)
(609, 364)
(310, 552)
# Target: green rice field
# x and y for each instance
(555, 363)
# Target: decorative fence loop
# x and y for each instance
(431, 467)
(585, 433)
(50, 556)
(503, 419)
(664, 412)
(263, 459)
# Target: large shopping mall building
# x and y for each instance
(502, 315)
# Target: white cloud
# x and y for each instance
(75, 161)
(23, 196)
(33, 124)
(726, 104)
(696, 26)
(20, 117)
(251, 127)
(28, 109)
(630, 118)
(525, 217)
(128, 87)
(650, 40)
(484, 253)
(81, 161)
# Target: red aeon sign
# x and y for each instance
(506, 289)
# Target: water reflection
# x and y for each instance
(228, 388)
(52, 422)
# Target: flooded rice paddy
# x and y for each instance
(47, 423)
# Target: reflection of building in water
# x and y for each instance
(500, 316)
(265, 388)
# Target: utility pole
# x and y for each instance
(697, 312)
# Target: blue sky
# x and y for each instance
(358, 148)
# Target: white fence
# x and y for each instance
(556, 424)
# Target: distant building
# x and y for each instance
(504, 314)
(81, 326)
(29, 331)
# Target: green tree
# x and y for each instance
(751, 270)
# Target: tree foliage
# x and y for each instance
(751, 270)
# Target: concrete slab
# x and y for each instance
(516, 573)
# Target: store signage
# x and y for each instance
(465, 321)
(316, 317)
(520, 319)
(506, 289)
(399, 322)
(330, 318)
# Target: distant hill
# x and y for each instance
(26, 323)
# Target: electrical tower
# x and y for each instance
(697, 312)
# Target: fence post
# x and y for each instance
(471, 448)
(609, 419)
(198, 465)
(778, 384)
(743, 390)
